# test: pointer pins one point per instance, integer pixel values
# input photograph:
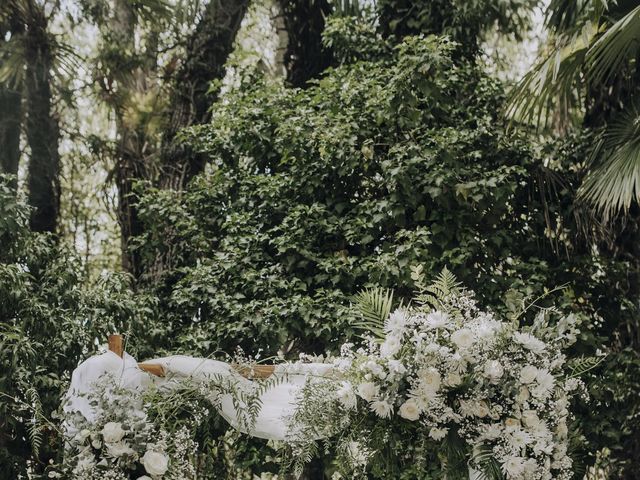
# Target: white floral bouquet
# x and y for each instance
(445, 388)
(128, 439)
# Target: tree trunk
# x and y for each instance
(11, 112)
(206, 56)
(41, 126)
(305, 58)
(128, 162)
(10, 118)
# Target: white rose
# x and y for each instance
(119, 449)
(523, 395)
(155, 463)
(530, 419)
(528, 374)
(390, 346)
(462, 338)
(346, 396)
(144, 477)
(368, 391)
(409, 410)
(493, 370)
(112, 432)
(431, 379)
(481, 409)
(453, 379)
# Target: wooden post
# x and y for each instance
(116, 344)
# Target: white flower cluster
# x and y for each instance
(459, 371)
(123, 443)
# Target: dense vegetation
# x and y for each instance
(288, 201)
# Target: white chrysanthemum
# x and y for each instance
(376, 369)
(529, 341)
(519, 438)
(409, 410)
(396, 367)
(358, 455)
(436, 320)
(368, 391)
(438, 433)
(463, 338)
(382, 408)
(396, 322)
(513, 466)
(545, 383)
(346, 396)
(562, 431)
(390, 346)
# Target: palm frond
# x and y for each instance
(374, 305)
(614, 49)
(553, 85)
(489, 466)
(614, 183)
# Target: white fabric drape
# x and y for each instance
(278, 402)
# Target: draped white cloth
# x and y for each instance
(278, 401)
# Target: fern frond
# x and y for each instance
(374, 306)
(581, 365)
(35, 427)
(443, 287)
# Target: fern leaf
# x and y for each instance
(581, 365)
(35, 428)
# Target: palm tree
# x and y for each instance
(590, 75)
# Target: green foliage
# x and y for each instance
(392, 159)
(49, 321)
(374, 304)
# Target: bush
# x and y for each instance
(49, 321)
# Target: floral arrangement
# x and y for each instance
(136, 435)
(445, 387)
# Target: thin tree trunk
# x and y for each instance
(10, 118)
(129, 166)
(41, 126)
(305, 58)
(206, 56)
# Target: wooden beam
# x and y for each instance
(116, 345)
